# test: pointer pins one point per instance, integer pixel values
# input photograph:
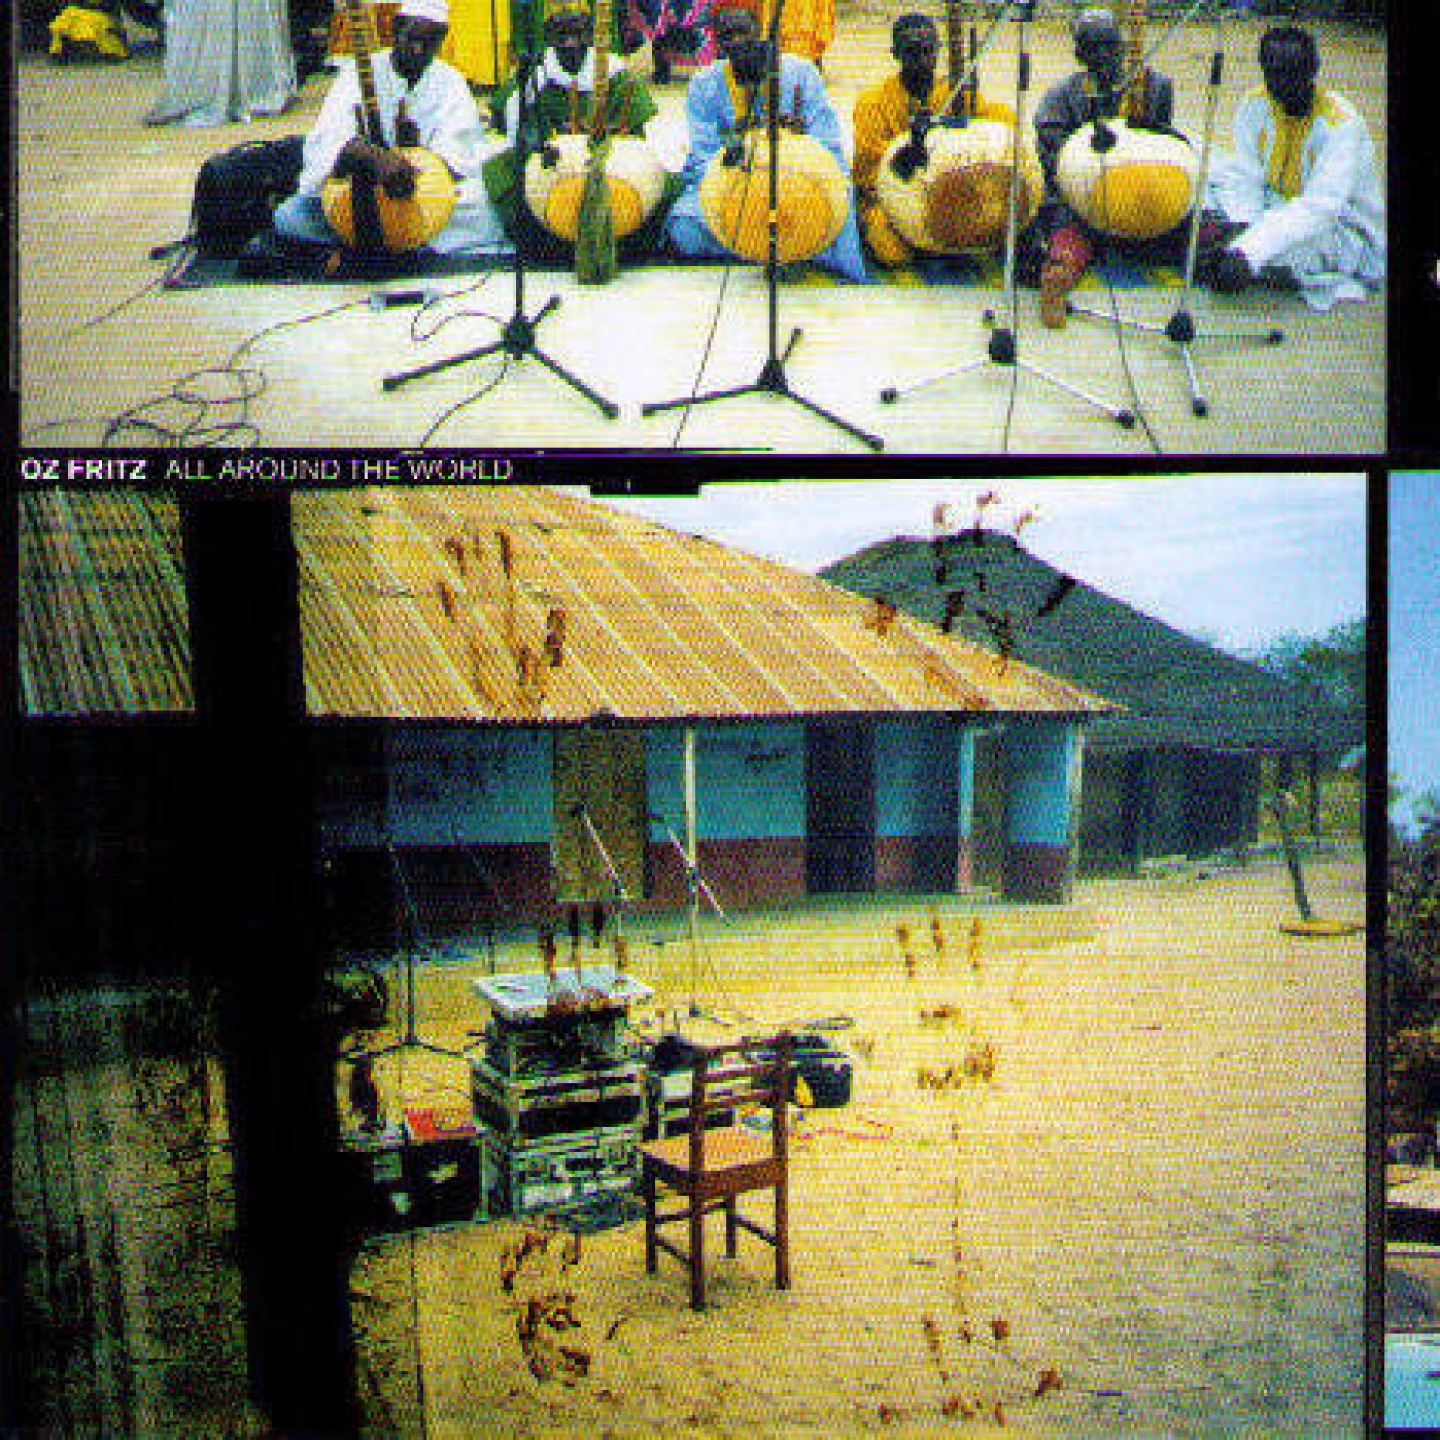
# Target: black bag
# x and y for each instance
(236, 193)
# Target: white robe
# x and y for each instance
(1331, 236)
(440, 104)
(225, 60)
(444, 113)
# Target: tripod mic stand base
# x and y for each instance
(771, 380)
(517, 340)
(1001, 350)
(1181, 331)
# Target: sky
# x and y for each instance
(1414, 649)
(1239, 560)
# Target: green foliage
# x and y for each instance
(1412, 926)
(1333, 664)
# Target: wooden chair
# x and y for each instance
(711, 1167)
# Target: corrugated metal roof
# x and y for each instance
(102, 613)
(502, 605)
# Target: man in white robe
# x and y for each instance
(1302, 193)
(438, 104)
(225, 60)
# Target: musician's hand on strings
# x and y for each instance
(357, 157)
(385, 168)
(395, 175)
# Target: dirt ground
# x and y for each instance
(96, 189)
(1156, 1201)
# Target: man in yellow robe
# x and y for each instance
(806, 26)
(889, 109)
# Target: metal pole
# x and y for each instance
(692, 872)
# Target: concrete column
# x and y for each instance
(1042, 810)
(965, 802)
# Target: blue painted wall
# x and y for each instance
(965, 781)
(474, 786)
(1039, 756)
(471, 786)
(916, 780)
(443, 785)
(749, 779)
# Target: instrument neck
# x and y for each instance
(954, 41)
(1132, 103)
(361, 45)
(962, 61)
(600, 43)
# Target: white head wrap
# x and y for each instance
(1094, 17)
(436, 10)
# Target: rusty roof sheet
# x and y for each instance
(505, 606)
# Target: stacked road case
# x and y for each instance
(558, 1095)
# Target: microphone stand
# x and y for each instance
(617, 885)
(772, 379)
(1002, 348)
(1181, 329)
(517, 335)
(410, 1040)
(695, 886)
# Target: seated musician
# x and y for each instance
(411, 85)
(721, 101)
(891, 108)
(1066, 245)
(559, 100)
(1301, 195)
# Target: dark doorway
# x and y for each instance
(839, 808)
(987, 816)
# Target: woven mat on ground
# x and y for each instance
(1119, 271)
(204, 271)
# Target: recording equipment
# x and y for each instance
(389, 299)
(518, 335)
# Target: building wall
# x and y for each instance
(1141, 804)
(470, 813)
(105, 866)
(1042, 769)
(918, 804)
(750, 811)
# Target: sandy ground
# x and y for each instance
(97, 189)
(1158, 1193)
(1159, 1196)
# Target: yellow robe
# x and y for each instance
(478, 44)
(882, 112)
(806, 26)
